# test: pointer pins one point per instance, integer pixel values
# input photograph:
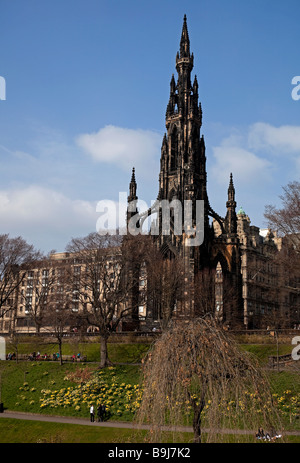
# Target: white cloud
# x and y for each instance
(48, 219)
(33, 207)
(44, 217)
(257, 152)
(56, 187)
(262, 158)
(38, 204)
(125, 148)
(281, 140)
(231, 157)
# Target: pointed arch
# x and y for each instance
(222, 260)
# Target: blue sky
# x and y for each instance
(87, 84)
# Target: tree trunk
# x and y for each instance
(197, 431)
(277, 349)
(104, 360)
(17, 354)
(197, 426)
(60, 350)
(197, 419)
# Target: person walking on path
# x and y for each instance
(99, 414)
(103, 412)
(92, 413)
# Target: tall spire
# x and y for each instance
(132, 200)
(183, 150)
(183, 162)
(185, 41)
(184, 60)
(231, 219)
(184, 64)
(132, 187)
(231, 190)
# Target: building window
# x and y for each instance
(77, 270)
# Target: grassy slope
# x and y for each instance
(126, 353)
(41, 374)
(46, 375)
(12, 430)
(50, 375)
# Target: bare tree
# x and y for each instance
(103, 283)
(58, 314)
(196, 374)
(165, 285)
(48, 298)
(16, 257)
(286, 220)
(41, 285)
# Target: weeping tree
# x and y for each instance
(196, 374)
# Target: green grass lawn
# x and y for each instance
(50, 376)
(263, 351)
(12, 431)
(118, 352)
(284, 380)
(128, 353)
(23, 382)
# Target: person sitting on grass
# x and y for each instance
(274, 435)
(260, 434)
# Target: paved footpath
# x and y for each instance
(69, 420)
(114, 424)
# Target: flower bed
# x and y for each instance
(120, 399)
